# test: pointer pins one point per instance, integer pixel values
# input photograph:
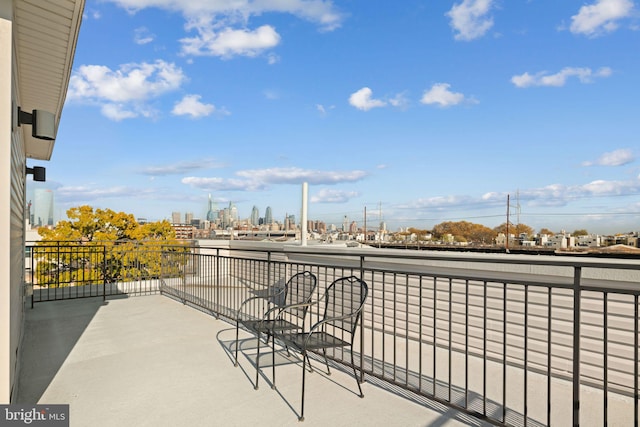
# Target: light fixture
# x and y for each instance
(39, 173)
(43, 123)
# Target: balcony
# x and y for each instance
(446, 339)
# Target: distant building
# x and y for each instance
(590, 240)
(501, 240)
(290, 222)
(42, 210)
(268, 216)
(561, 241)
(353, 228)
(233, 212)
(255, 216)
(175, 218)
(184, 231)
(212, 211)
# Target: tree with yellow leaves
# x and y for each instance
(101, 245)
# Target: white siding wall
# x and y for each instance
(12, 205)
(5, 211)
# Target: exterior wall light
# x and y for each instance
(43, 123)
(38, 172)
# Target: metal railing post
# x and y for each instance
(577, 272)
(217, 303)
(362, 325)
(184, 276)
(33, 273)
(57, 266)
(268, 268)
(104, 273)
(635, 360)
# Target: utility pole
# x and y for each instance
(507, 241)
(365, 225)
(518, 209)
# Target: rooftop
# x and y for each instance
(150, 360)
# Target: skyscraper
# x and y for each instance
(42, 207)
(268, 217)
(255, 215)
(233, 212)
(175, 217)
(212, 211)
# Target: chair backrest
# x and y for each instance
(301, 287)
(277, 293)
(344, 299)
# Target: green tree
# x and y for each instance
(581, 232)
(96, 245)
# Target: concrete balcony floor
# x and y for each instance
(151, 361)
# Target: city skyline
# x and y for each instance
(223, 219)
(419, 112)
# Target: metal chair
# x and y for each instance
(343, 303)
(295, 295)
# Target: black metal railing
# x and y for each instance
(66, 270)
(513, 340)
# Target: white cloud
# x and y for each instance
(321, 12)
(223, 184)
(470, 19)
(179, 168)
(619, 157)
(440, 95)
(190, 105)
(261, 179)
(229, 42)
(363, 100)
(123, 93)
(600, 17)
(118, 112)
(441, 202)
(298, 175)
(399, 101)
(324, 110)
(272, 58)
(83, 194)
(142, 36)
(552, 195)
(562, 195)
(333, 196)
(222, 26)
(585, 75)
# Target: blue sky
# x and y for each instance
(417, 111)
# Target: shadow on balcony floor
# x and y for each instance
(153, 361)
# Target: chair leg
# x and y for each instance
(326, 361)
(309, 362)
(355, 374)
(304, 370)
